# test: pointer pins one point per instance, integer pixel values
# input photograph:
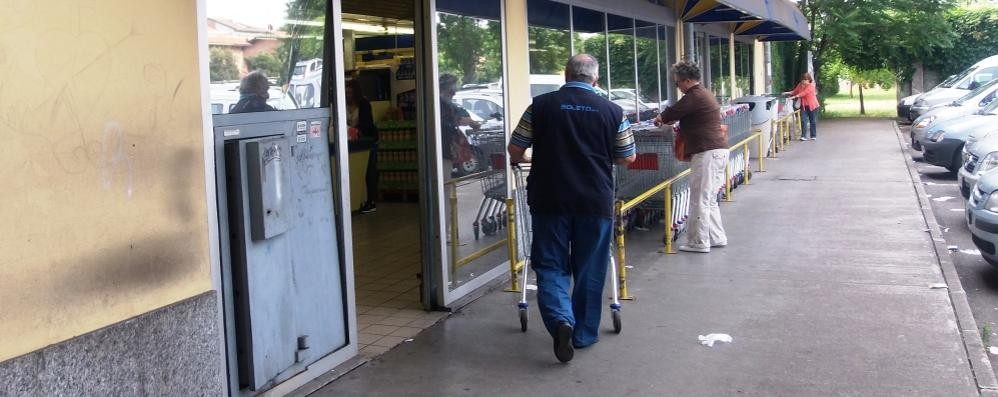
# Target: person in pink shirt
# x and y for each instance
(807, 91)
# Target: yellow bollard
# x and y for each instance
(621, 256)
(668, 220)
(748, 179)
(762, 154)
(727, 181)
(454, 233)
(515, 265)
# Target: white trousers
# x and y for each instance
(706, 179)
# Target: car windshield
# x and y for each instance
(955, 79)
(977, 91)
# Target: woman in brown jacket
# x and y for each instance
(699, 116)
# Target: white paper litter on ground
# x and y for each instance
(629, 266)
(956, 209)
(970, 252)
(925, 229)
(946, 230)
(993, 350)
(952, 247)
(938, 286)
(943, 198)
(928, 195)
(531, 287)
(710, 339)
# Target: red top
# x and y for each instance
(808, 95)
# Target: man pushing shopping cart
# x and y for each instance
(576, 136)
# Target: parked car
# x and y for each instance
(972, 77)
(982, 216)
(978, 158)
(943, 141)
(225, 95)
(965, 105)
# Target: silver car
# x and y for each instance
(982, 216)
(965, 105)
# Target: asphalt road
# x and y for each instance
(979, 279)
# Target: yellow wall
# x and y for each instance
(103, 214)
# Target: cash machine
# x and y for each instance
(282, 270)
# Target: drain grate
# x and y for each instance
(797, 178)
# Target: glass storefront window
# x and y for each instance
(472, 136)
(667, 54)
(648, 68)
(743, 67)
(589, 37)
(719, 74)
(620, 35)
(549, 27)
(265, 57)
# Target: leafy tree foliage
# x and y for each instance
(221, 65)
(975, 36)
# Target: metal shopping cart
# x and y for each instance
(492, 211)
(524, 238)
(654, 164)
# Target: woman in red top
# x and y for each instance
(808, 94)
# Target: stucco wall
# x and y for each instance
(103, 176)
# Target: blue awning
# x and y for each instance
(785, 22)
(769, 20)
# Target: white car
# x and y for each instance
(224, 97)
(972, 77)
(966, 105)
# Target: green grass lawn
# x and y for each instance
(879, 103)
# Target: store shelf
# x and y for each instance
(398, 167)
(400, 145)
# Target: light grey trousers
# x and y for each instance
(706, 179)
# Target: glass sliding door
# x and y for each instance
(647, 56)
(549, 28)
(667, 56)
(471, 131)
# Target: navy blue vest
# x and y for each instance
(574, 131)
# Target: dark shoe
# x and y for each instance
(368, 208)
(563, 343)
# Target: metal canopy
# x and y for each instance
(769, 20)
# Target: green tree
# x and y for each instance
(549, 50)
(976, 31)
(470, 48)
(269, 64)
(871, 34)
(222, 66)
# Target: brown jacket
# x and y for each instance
(699, 118)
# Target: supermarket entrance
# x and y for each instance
(381, 64)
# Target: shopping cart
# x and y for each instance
(524, 233)
(492, 211)
(654, 164)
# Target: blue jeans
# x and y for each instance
(805, 117)
(567, 249)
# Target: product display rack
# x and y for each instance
(398, 167)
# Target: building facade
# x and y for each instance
(161, 241)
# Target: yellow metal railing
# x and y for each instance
(453, 223)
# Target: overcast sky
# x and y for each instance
(260, 14)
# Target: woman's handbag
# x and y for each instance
(679, 146)
(796, 103)
(461, 148)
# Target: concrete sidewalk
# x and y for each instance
(824, 286)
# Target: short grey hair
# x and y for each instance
(254, 83)
(582, 67)
(686, 70)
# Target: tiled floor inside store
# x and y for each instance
(386, 265)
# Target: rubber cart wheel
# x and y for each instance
(616, 322)
(523, 320)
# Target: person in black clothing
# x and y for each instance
(253, 94)
(360, 116)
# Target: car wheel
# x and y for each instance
(473, 165)
(957, 161)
